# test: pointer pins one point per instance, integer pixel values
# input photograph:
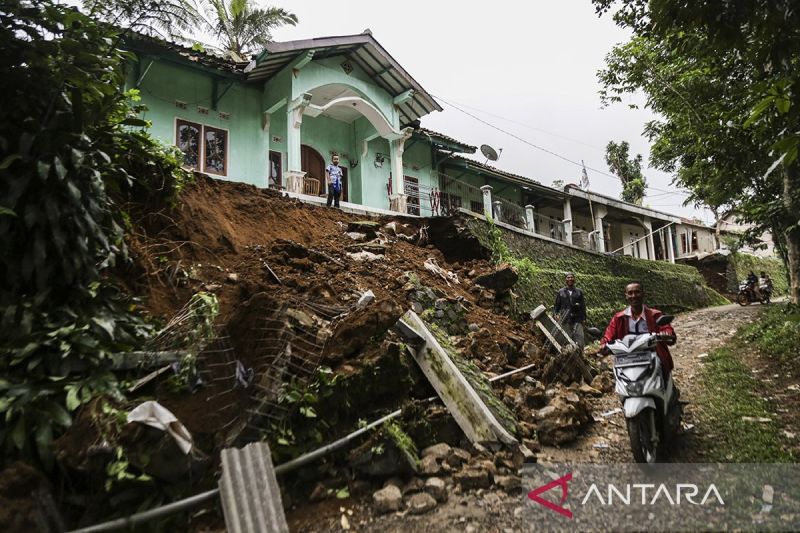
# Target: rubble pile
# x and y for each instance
(309, 301)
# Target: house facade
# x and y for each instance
(277, 120)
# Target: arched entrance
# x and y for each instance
(313, 164)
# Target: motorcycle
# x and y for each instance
(747, 295)
(652, 410)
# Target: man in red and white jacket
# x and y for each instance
(638, 318)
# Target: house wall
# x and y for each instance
(706, 243)
(167, 82)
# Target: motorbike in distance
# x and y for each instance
(650, 403)
(747, 294)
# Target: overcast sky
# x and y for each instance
(526, 67)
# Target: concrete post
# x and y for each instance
(487, 200)
(568, 220)
(294, 120)
(398, 200)
(497, 210)
(530, 218)
(651, 247)
(670, 244)
(599, 214)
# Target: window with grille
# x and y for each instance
(204, 147)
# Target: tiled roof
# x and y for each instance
(446, 138)
(147, 43)
(494, 170)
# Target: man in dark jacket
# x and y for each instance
(570, 308)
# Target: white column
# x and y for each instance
(530, 218)
(651, 247)
(487, 200)
(670, 244)
(497, 211)
(568, 221)
(294, 117)
(599, 214)
(398, 200)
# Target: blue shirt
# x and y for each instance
(335, 172)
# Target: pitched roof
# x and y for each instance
(363, 50)
(149, 44)
(445, 140)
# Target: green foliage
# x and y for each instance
(69, 139)
(628, 169)
(729, 392)
(242, 27)
(722, 80)
(541, 266)
(401, 439)
(776, 333)
(165, 18)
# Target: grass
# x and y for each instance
(731, 392)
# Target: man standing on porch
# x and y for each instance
(333, 178)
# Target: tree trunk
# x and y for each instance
(791, 200)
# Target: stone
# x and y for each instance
(532, 445)
(417, 307)
(396, 481)
(603, 383)
(356, 236)
(233, 277)
(439, 451)
(367, 227)
(458, 457)
(503, 278)
(545, 412)
(589, 390)
(508, 483)
(421, 503)
(487, 465)
(473, 478)
(436, 487)
(474, 327)
(571, 397)
(413, 486)
(429, 466)
(387, 500)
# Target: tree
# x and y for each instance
(628, 170)
(723, 79)
(170, 19)
(242, 28)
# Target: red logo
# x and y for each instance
(560, 482)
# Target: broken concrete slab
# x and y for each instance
(501, 280)
(468, 409)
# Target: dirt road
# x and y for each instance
(606, 441)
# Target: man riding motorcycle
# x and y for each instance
(638, 318)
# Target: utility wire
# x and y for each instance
(536, 146)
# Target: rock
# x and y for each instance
(387, 500)
(233, 277)
(356, 236)
(603, 383)
(474, 327)
(429, 466)
(368, 227)
(396, 481)
(458, 457)
(532, 445)
(571, 397)
(438, 451)
(545, 412)
(508, 483)
(435, 486)
(319, 493)
(473, 478)
(589, 390)
(486, 465)
(421, 503)
(413, 486)
(503, 278)
(365, 300)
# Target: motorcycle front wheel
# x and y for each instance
(742, 299)
(640, 433)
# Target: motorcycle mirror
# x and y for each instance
(663, 320)
(594, 332)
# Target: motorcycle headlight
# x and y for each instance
(635, 389)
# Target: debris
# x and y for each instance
(756, 419)
(589, 390)
(356, 236)
(365, 299)
(149, 377)
(458, 457)
(508, 483)
(446, 275)
(365, 256)
(435, 487)
(794, 387)
(368, 227)
(611, 412)
(345, 522)
(600, 446)
(387, 500)
(702, 355)
(243, 376)
(155, 415)
(468, 409)
(788, 434)
(421, 503)
(687, 427)
(501, 280)
(251, 498)
(271, 272)
(233, 277)
(473, 478)
(437, 451)
(429, 466)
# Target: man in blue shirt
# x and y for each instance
(333, 178)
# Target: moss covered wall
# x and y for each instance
(542, 264)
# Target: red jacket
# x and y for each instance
(618, 328)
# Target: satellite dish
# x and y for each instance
(489, 152)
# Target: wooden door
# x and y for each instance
(312, 163)
(275, 171)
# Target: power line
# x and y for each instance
(525, 141)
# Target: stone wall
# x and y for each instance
(542, 265)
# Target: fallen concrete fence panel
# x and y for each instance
(251, 498)
(469, 411)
